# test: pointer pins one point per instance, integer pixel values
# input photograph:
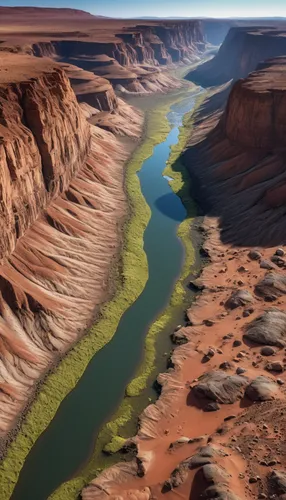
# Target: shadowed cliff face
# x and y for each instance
(237, 158)
(242, 50)
(62, 201)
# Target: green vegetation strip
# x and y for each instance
(181, 185)
(129, 285)
(109, 438)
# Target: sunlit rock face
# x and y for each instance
(62, 202)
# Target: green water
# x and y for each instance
(70, 438)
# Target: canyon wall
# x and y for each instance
(215, 431)
(62, 204)
(36, 164)
(237, 159)
(242, 50)
(132, 55)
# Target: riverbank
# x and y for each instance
(114, 433)
(195, 423)
(180, 184)
(74, 364)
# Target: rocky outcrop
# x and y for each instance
(242, 50)
(37, 164)
(91, 89)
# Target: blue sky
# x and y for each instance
(166, 8)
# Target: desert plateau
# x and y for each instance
(142, 250)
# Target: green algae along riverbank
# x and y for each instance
(58, 385)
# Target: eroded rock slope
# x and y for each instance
(62, 202)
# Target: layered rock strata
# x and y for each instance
(240, 53)
(130, 55)
(237, 158)
(62, 202)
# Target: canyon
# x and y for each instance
(59, 167)
(67, 129)
(217, 429)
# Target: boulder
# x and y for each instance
(254, 255)
(272, 286)
(268, 329)
(277, 482)
(239, 298)
(266, 264)
(267, 351)
(261, 389)
(214, 474)
(220, 387)
(178, 477)
(280, 252)
(278, 261)
(276, 366)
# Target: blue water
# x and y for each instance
(70, 437)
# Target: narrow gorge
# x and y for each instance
(110, 131)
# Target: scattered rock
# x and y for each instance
(276, 366)
(243, 269)
(280, 381)
(272, 286)
(228, 336)
(278, 261)
(253, 479)
(240, 370)
(181, 441)
(237, 343)
(226, 365)
(247, 312)
(268, 329)
(239, 298)
(267, 351)
(208, 322)
(254, 255)
(261, 389)
(220, 387)
(266, 264)
(211, 352)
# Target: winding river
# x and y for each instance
(69, 439)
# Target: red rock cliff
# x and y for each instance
(62, 205)
(44, 141)
(237, 158)
(242, 50)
